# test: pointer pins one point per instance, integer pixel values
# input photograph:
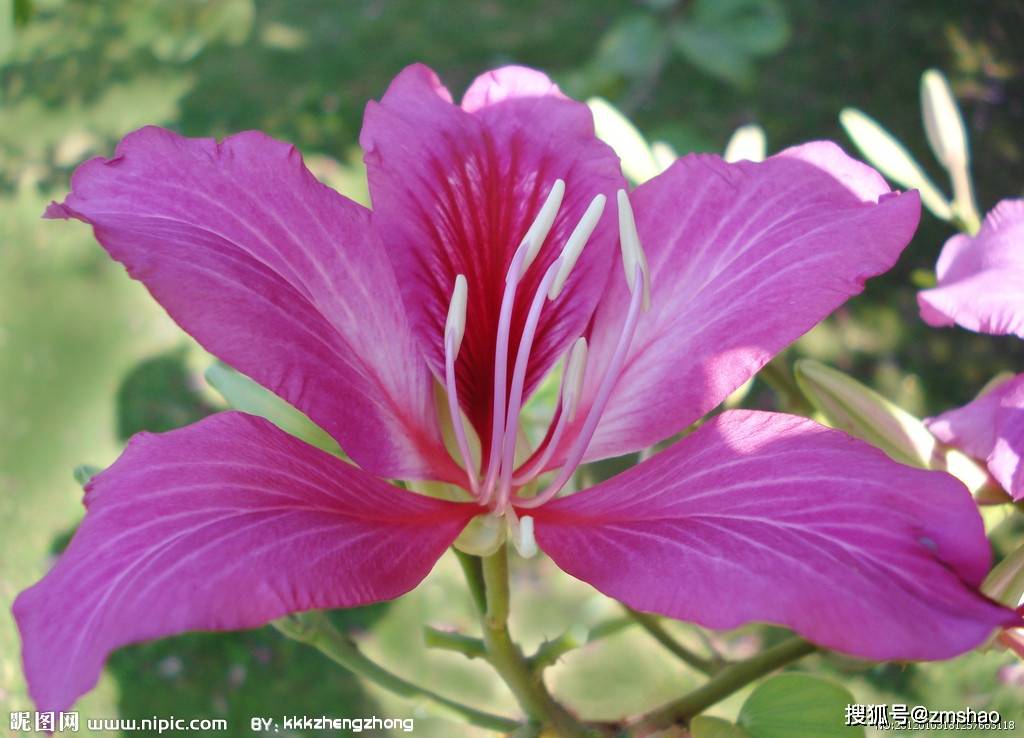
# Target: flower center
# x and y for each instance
(495, 488)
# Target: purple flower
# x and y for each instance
(991, 429)
(980, 277)
(489, 254)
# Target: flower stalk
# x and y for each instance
(314, 629)
(505, 656)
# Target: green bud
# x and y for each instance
(1005, 582)
(860, 411)
(616, 130)
(850, 406)
(942, 121)
(893, 160)
(247, 396)
(747, 142)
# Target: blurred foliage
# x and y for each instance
(159, 394)
(78, 74)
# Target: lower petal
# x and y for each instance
(223, 525)
(773, 518)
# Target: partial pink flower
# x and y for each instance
(980, 277)
(991, 429)
(501, 240)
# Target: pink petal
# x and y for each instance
(744, 259)
(769, 517)
(276, 274)
(225, 524)
(454, 191)
(990, 428)
(980, 278)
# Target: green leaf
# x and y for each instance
(892, 159)
(247, 396)
(724, 37)
(758, 27)
(704, 726)
(160, 394)
(632, 46)
(798, 706)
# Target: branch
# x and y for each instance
(471, 648)
(650, 623)
(730, 679)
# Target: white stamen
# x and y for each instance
(572, 381)
(541, 226)
(574, 246)
(632, 251)
(455, 325)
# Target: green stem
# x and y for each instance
(550, 651)
(650, 623)
(730, 679)
(473, 569)
(471, 648)
(506, 658)
(314, 629)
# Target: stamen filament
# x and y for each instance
(519, 381)
(579, 447)
(521, 260)
(500, 371)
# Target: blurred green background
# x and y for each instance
(86, 358)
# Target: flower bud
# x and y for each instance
(860, 411)
(942, 121)
(747, 142)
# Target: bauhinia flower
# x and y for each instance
(501, 239)
(980, 277)
(991, 429)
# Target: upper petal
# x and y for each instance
(744, 259)
(454, 190)
(276, 274)
(222, 525)
(990, 428)
(769, 517)
(980, 279)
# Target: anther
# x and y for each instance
(633, 255)
(574, 246)
(572, 380)
(538, 231)
(455, 325)
(454, 331)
